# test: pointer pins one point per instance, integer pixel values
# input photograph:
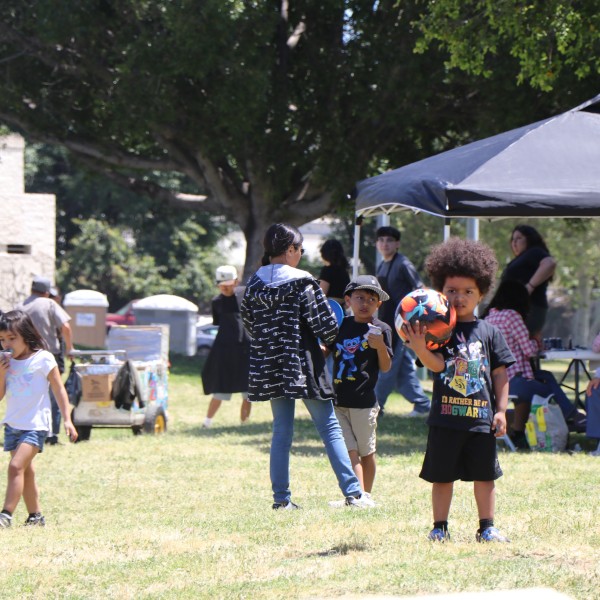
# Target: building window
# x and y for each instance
(15, 248)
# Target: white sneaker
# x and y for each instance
(416, 413)
(5, 520)
(363, 501)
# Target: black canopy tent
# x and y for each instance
(550, 168)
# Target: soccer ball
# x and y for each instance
(431, 309)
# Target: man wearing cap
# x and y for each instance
(52, 322)
(398, 277)
(227, 366)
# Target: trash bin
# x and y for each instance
(87, 309)
(178, 313)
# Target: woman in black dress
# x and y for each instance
(533, 267)
(226, 369)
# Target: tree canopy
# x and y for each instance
(258, 111)
(546, 37)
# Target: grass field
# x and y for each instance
(188, 515)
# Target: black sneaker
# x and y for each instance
(289, 505)
(52, 441)
(35, 521)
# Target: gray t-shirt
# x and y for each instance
(48, 318)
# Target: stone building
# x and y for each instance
(27, 227)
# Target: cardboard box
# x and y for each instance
(97, 388)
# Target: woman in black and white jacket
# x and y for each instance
(285, 312)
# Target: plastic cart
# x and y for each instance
(96, 408)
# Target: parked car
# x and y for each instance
(205, 337)
(124, 316)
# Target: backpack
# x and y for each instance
(73, 385)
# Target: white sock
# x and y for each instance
(207, 422)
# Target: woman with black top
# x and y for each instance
(533, 267)
(334, 277)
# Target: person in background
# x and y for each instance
(52, 322)
(286, 314)
(226, 369)
(595, 381)
(398, 277)
(507, 311)
(334, 276)
(362, 349)
(470, 387)
(24, 380)
(533, 267)
(55, 295)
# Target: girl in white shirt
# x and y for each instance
(24, 379)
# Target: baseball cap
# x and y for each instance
(388, 231)
(41, 285)
(226, 274)
(366, 282)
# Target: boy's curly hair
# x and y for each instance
(462, 258)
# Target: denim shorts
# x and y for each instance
(14, 437)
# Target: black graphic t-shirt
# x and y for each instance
(356, 365)
(463, 395)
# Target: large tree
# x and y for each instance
(270, 109)
(546, 37)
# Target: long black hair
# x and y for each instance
(19, 322)
(510, 295)
(333, 252)
(278, 238)
(533, 236)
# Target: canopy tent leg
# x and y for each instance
(357, 225)
(446, 229)
(472, 229)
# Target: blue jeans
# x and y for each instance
(323, 416)
(403, 378)
(543, 385)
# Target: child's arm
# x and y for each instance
(63, 402)
(4, 362)
(500, 385)
(415, 338)
(377, 342)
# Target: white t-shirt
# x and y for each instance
(28, 393)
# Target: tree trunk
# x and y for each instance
(254, 249)
(582, 316)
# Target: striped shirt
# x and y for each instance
(513, 328)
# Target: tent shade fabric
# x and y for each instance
(550, 168)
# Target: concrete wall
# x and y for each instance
(27, 227)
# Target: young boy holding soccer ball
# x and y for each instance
(470, 387)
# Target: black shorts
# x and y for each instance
(454, 454)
